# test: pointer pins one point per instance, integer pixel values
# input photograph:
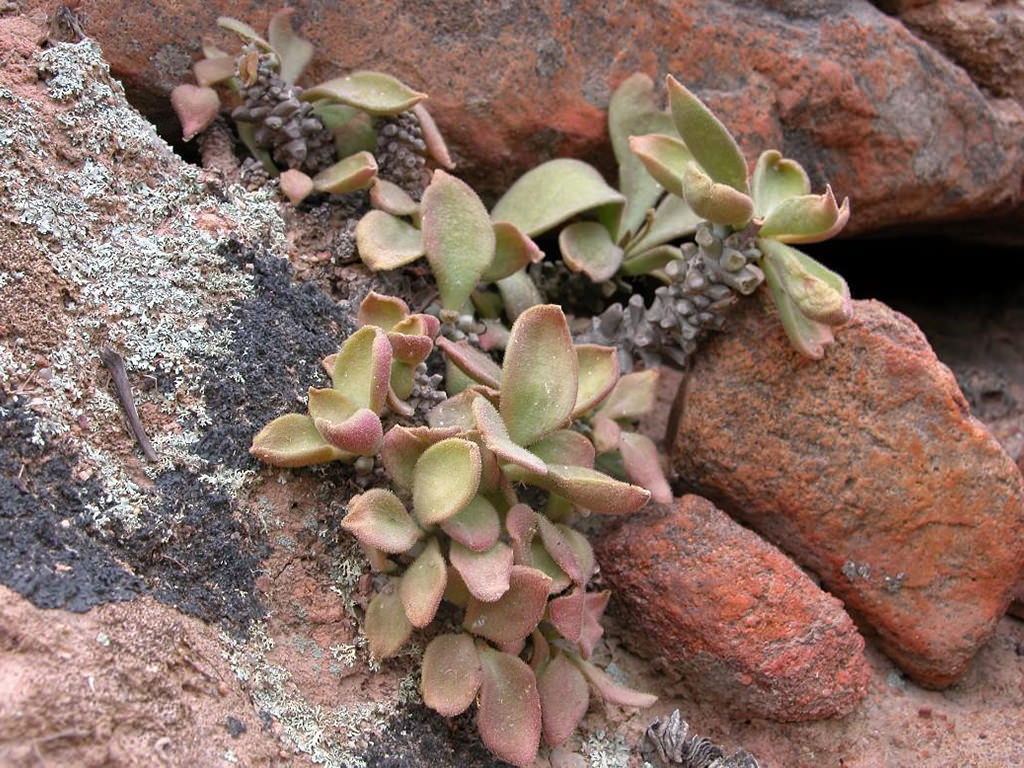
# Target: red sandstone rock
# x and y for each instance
(735, 618)
(868, 468)
(847, 90)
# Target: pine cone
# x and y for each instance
(401, 153)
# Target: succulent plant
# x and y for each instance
(324, 137)
(456, 526)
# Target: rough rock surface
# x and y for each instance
(849, 91)
(868, 468)
(732, 616)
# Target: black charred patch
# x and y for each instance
(418, 737)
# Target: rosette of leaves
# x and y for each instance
(323, 136)
(454, 528)
(374, 368)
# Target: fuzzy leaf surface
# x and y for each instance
(673, 219)
(296, 185)
(512, 251)
(641, 460)
(292, 440)
(378, 519)
(587, 247)
(585, 487)
(450, 674)
(403, 447)
(478, 365)
(476, 526)
(422, 585)
(818, 293)
(634, 396)
(486, 574)
(776, 179)
(807, 336)
(564, 698)
(391, 198)
(348, 175)
(665, 158)
(380, 310)
(293, 52)
(362, 368)
(516, 613)
(565, 446)
(446, 479)
(598, 368)
(373, 92)
(715, 201)
(709, 141)
(509, 715)
(212, 71)
(611, 691)
(518, 294)
(196, 107)
(432, 137)
(360, 434)
(806, 219)
(497, 439)
(386, 626)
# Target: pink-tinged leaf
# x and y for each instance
(446, 479)
(551, 193)
(539, 376)
(329, 405)
(477, 526)
(486, 574)
(565, 446)
(362, 369)
(776, 179)
(521, 524)
(643, 465)
(432, 137)
(518, 294)
(386, 626)
(360, 434)
(455, 591)
(293, 52)
(378, 519)
(710, 142)
(541, 559)
(396, 404)
(580, 546)
(410, 349)
(403, 447)
(450, 674)
(490, 471)
(564, 698)
(296, 185)
(456, 411)
(351, 128)
(379, 562)
(587, 247)
(606, 434)
(422, 585)
(328, 364)
(512, 251)
(457, 237)
(425, 325)
(372, 92)
(594, 606)
(541, 652)
(508, 718)
(585, 487)
(243, 30)
(476, 364)
(516, 613)
(211, 71)
(611, 691)
(385, 312)
(598, 374)
(494, 337)
(559, 549)
(806, 219)
(664, 157)
(719, 203)
(196, 107)
(210, 49)
(496, 437)
(807, 336)
(820, 294)
(558, 508)
(391, 198)
(353, 173)
(633, 397)
(567, 612)
(292, 440)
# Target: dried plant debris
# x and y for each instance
(670, 743)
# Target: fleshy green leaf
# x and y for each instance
(716, 202)
(212, 71)
(243, 30)
(539, 376)
(580, 546)
(360, 434)
(329, 405)
(512, 251)
(476, 364)
(196, 107)
(477, 526)
(641, 460)
(585, 487)
(564, 698)
(446, 479)
(292, 440)
(247, 133)
(551, 193)
(352, 128)
(391, 198)
(509, 716)
(633, 397)
(538, 557)
(651, 260)
(806, 219)
(403, 447)
(422, 585)
(456, 411)
(455, 591)
(611, 691)
(379, 562)
(559, 549)
(673, 219)
(378, 519)
(362, 368)
(372, 92)
(819, 294)
(487, 573)
(776, 179)
(664, 157)
(587, 247)
(594, 604)
(807, 336)
(518, 294)
(450, 674)
(411, 349)
(293, 52)
(496, 437)
(605, 433)
(387, 242)
(521, 524)
(432, 137)
(516, 613)
(354, 172)
(598, 374)
(709, 141)
(565, 446)
(296, 185)
(457, 236)
(383, 311)
(386, 626)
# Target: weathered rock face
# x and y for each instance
(735, 618)
(845, 89)
(869, 469)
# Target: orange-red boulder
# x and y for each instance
(868, 468)
(847, 90)
(735, 618)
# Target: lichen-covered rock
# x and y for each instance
(850, 92)
(868, 468)
(735, 618)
